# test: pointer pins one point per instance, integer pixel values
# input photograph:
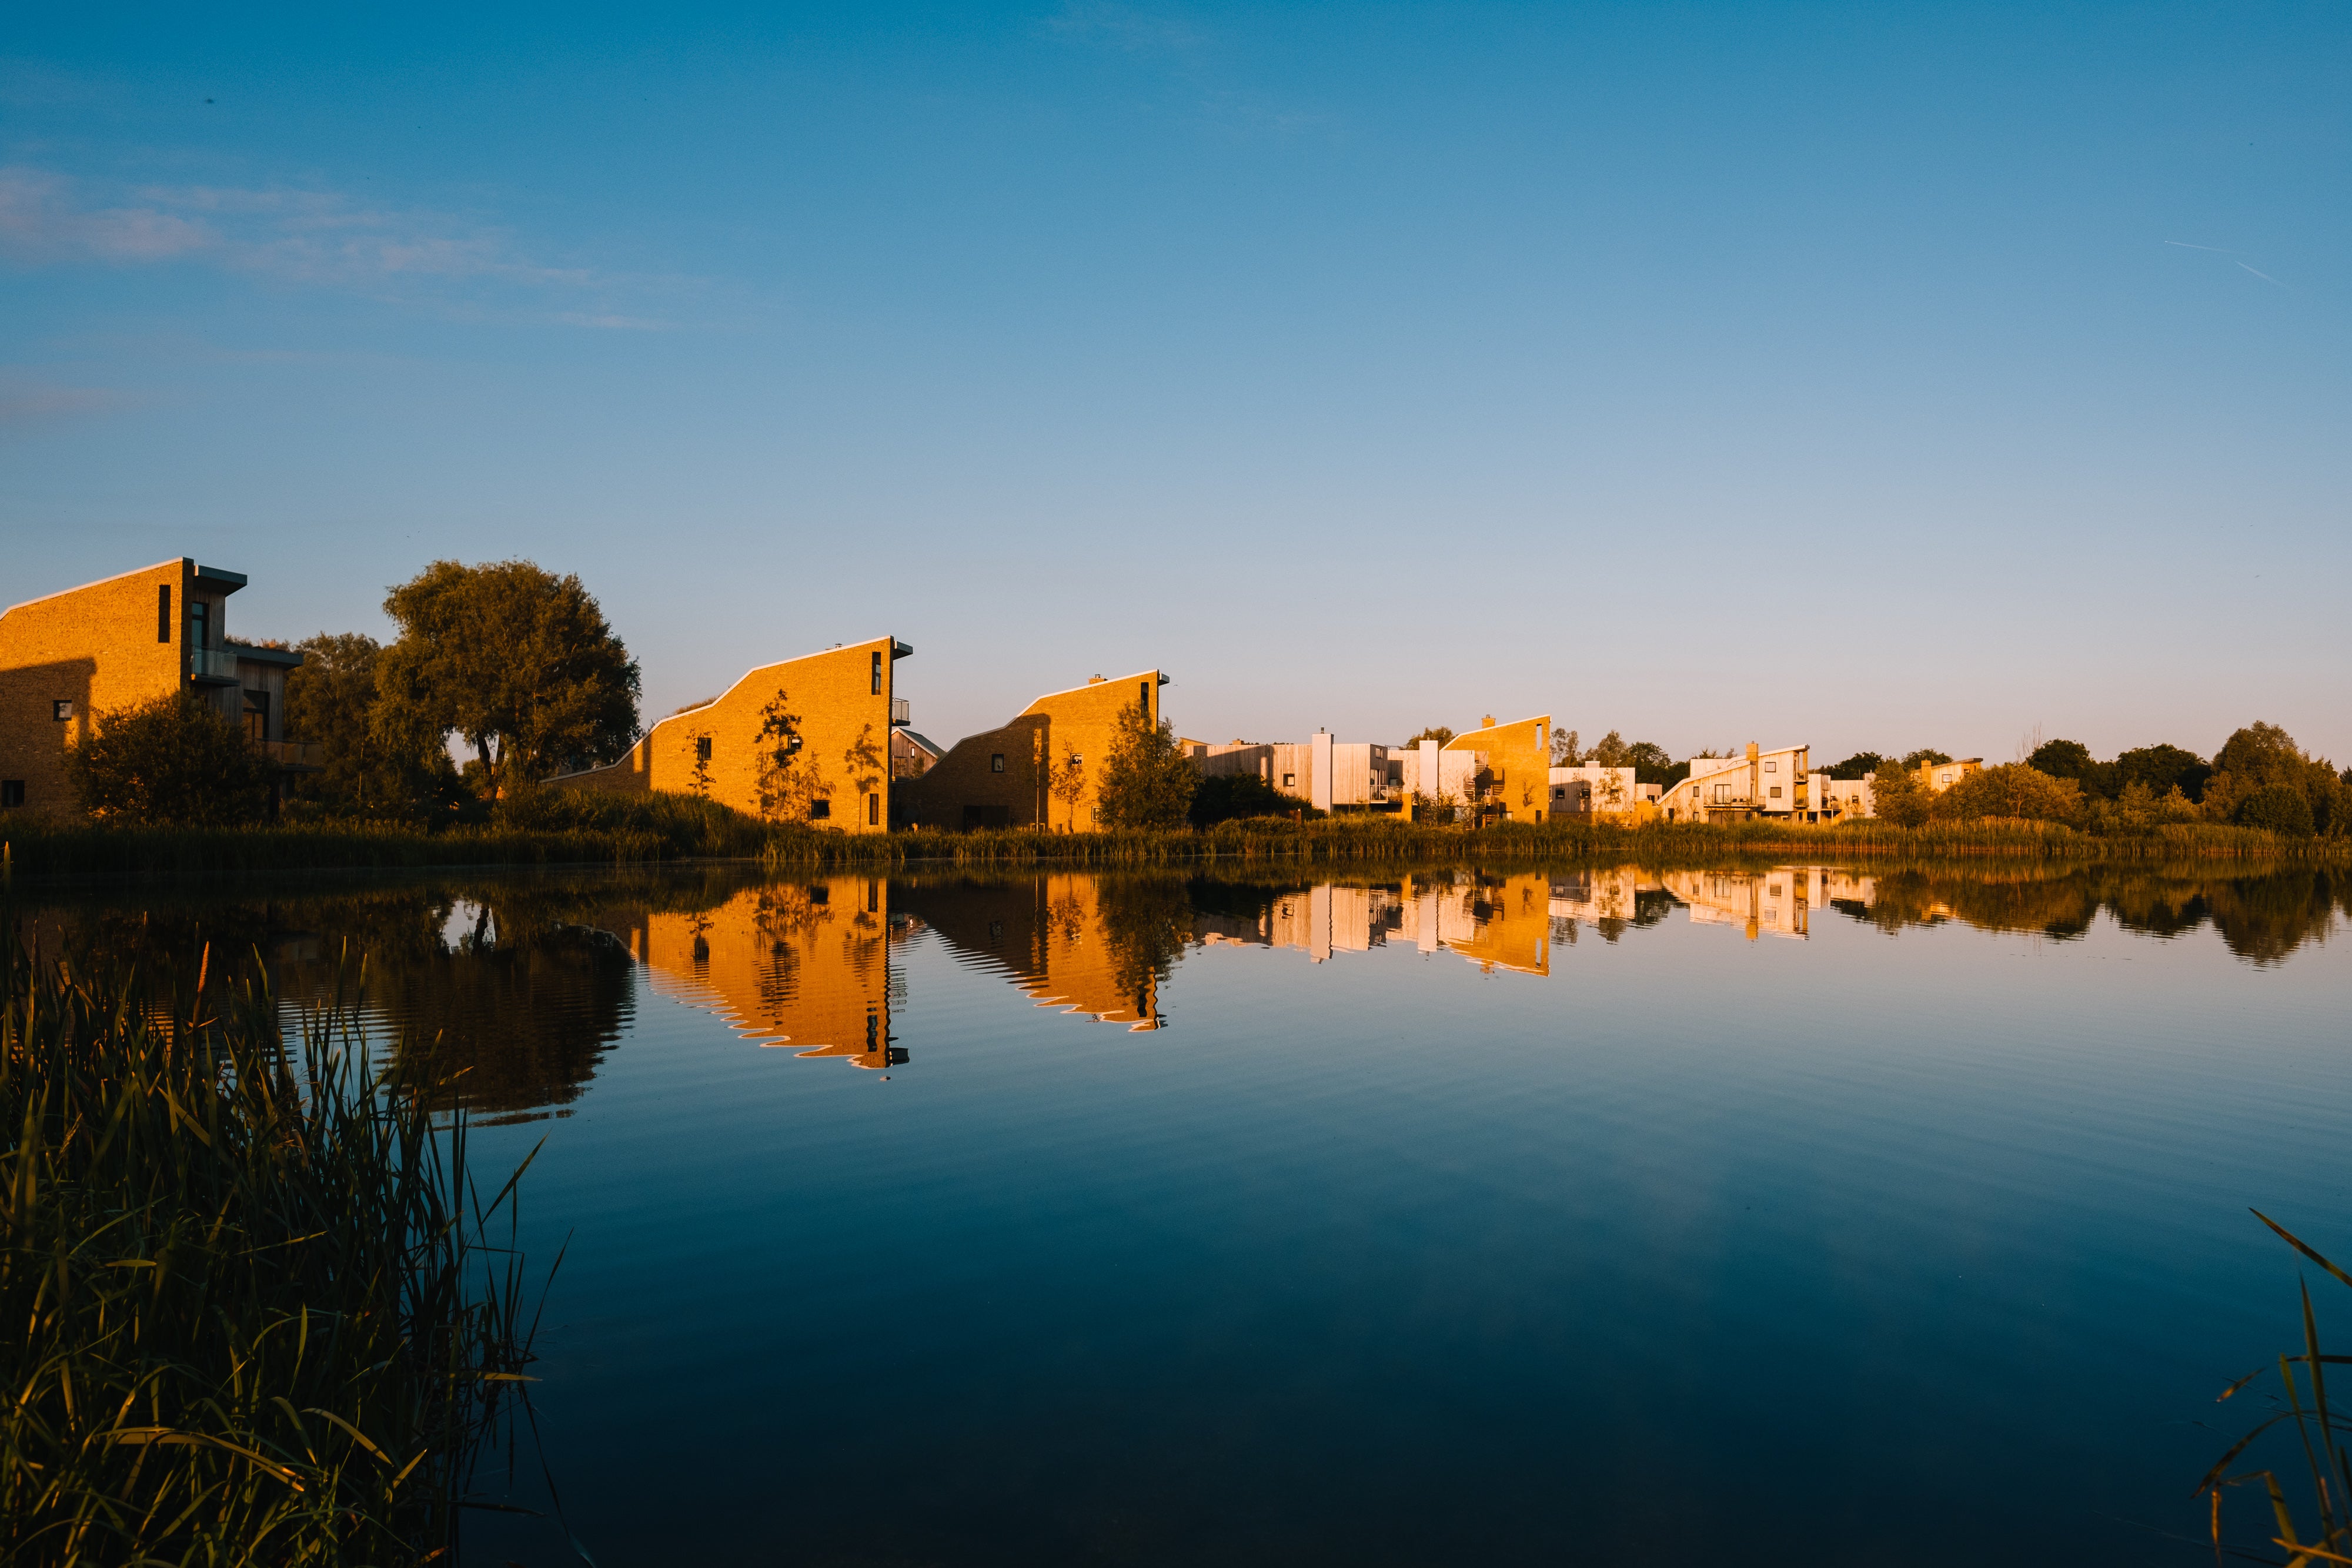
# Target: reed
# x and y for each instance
(2319, 1427)
(551, 828)
(255, 1312)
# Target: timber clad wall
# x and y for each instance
(107, 645)
(1003, 777)
(840, 777)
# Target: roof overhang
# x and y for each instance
(218, 580)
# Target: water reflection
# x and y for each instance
(513, 990)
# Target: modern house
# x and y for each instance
(1938, 777)
(1324, 772)
(1042, 769)
(806, 740)
(1590, 790)
(1776, 785)
(1512, 779)
(69, 658)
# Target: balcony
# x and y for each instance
(213, 666)
(900, 714)
(294, 755)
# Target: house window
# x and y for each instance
(199, 618)
(1143, 696)
(1771, 767)
(1291, 780)
(820, 810)
(163, 612)
(256, 716)
(61, 709)
(1943, 779)
(878, 673)
(1722, 794)
(1776, 792)
(702, 749)
(12, 791)
(997, 762)
(874, 811)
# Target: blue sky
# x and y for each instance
(1867, 377)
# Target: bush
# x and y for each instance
(2010, 790)
(171, 762)
(1231, 797)
(2277, 809)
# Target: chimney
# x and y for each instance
(1751, 751)
(1488, 723)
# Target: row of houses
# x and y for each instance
(827, 738)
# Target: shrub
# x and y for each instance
(1146, 782)
(171, 762)
(1230, 797)
(1897, 796)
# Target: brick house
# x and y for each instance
(69, 657)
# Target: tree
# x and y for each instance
(785, 788)
(1435, 732)
(1861, 765)
(173, 761)
(1650, 765)
(1608, 751)
(2162, 769)
(1147, 782)
(1923, 758)
(1897, 796)
(1563, 749)
(2261, 762)
(363, 771)
(1065, 780)
(2061, 759)
(2009, 790)
(517, 663)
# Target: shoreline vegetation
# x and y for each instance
(551, 828)
(252, 1288)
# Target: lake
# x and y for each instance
(1520, 1214)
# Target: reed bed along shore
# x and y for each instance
(254, 1311)
(607, 831)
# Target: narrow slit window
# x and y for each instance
(163, 612)
(878, 673)
(997, 762)
(702, 749)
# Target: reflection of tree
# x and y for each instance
(2261, 917)
(1146, 923)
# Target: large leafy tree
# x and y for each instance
(2256, 771)
(517, 663)
(331, 702)
(1147, 782)
(172, 761)
(1896, 795)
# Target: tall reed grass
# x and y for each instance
(561, 828)
(254, 1309)
(2319, 1427)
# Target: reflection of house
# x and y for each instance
(1040, 771)
(799, 964)
(1050, 937)
(1767, 784)
(1317, 921)
(1595, 895)
(1496, 922)
(1777, 903)
(116, 644)
(1325, 773)
(806, 740)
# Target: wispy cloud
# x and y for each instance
(24, 401)
(307, 236)
(2232, 254)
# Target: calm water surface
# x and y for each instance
(1511, 1216)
